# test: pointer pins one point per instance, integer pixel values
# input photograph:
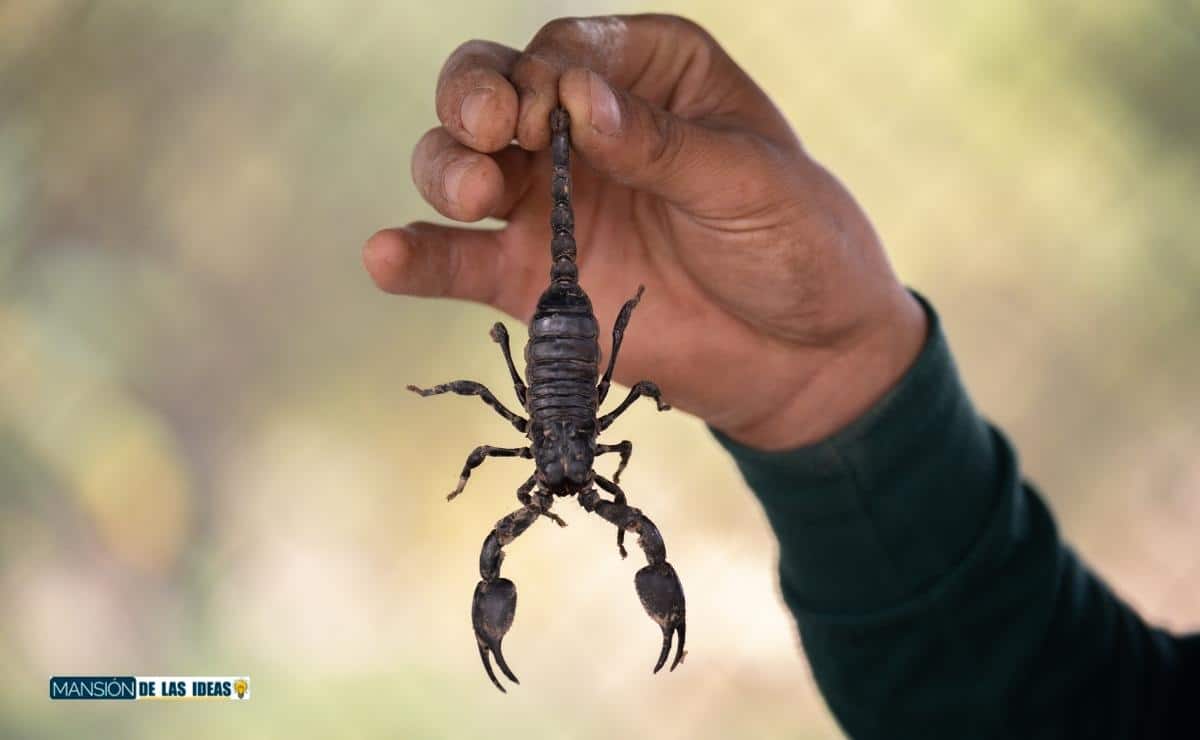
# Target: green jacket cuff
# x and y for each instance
(876, 513)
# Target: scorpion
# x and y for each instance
(562, 398)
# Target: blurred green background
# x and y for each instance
(208, 464)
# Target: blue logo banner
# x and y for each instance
(120, 688)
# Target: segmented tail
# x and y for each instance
(562, 218)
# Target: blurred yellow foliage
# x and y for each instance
(126, 472)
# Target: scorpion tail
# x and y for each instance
(562, 218)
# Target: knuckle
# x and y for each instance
(474, 47)
(677, 23)
(683, 29)
(666, 141)
(591, 42)
(558, 29)
(478, 53)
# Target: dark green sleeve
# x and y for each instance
(933, 594)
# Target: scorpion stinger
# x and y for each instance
(562, 398)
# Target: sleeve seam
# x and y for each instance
(866, 513)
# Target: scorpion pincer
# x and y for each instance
(562, 398)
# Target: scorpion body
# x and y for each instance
(562, 398)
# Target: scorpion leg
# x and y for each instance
(499, 335)
(495, 601)
(657, 584)
(625, 447)
(618, 334)
(471, 388)
(481, 453)
(643, 388)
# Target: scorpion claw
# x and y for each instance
(504, 666)
(487, 666)
(492, 611)
(680, 654)
(662, 597)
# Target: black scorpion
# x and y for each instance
(563, 399)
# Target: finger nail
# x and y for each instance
(606, 114)
(452, 178)
(471, 111)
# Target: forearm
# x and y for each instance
(932, 592)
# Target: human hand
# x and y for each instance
(770, 309)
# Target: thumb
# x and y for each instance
(699, 167)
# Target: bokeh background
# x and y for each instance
(208, 463)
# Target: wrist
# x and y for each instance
(844, 385)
